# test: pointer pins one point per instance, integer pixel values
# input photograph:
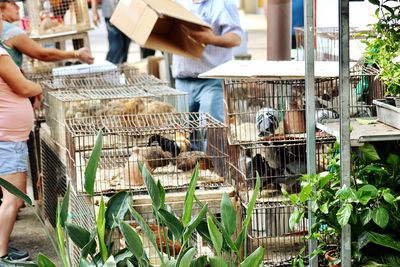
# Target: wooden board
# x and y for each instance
(271, 69)
(361, 133)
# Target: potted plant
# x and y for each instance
(369, 205)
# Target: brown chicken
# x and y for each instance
(186, 161)
(151, 157)
(174, 248)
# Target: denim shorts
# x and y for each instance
(13, 157)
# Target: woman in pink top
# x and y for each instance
(16, 121)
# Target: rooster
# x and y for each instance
(180, 144)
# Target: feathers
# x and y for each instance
(132, 174)
(181, 144)
(186, 161)
(155, 157)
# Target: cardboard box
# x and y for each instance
(161, 25)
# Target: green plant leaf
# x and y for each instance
(252, 203)
(90, 247)
(172, 222)
(162, 193)
(101, 230)
(254, 259)
(85, 263)
(151, 186)
(216, 236)
(365, 193)
(64, 206)
(145, 228)
(389, 198)
(132, 239)
(15, 191)
(218, 261)
(369, 153)
(188, 204)
(199, 262)
(305, 193)
(169, 263)
(110, 262)
(191, 227)
(186, 258)
(380, 239)
(324, 208)
(91, 168)
(117, 206)
(295, 218)
(366, 216)
(77, 234)
(43, 261)
(344, 213)
(60, 237)
(228, 214)
(380, 216)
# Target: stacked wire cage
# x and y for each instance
(56, 16)
(168, 144)
(326, 42)
(267, 135)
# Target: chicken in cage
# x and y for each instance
(57, 16)
(114, 100)
(263, 109)
(279, 165)
(169, 145)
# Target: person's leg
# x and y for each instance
(125, 48)
(211, 98)
(9, 209)
(188, 86)
(115, 43)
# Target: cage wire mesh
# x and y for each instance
(56, 16)
(279, 165)
(326, 43)
(169, 145)
(264, 109)
(53, 179)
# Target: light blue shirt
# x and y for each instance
(223, 16)
(11, 30)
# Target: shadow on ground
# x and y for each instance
(29, 235)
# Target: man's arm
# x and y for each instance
(207, 36)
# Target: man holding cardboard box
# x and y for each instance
(206, 95)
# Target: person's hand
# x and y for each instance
(96, 18)
(84, 56)
(204, 36)
(37, 101)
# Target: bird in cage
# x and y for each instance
(180, 144)
(186, 161)
(155, 107)
(258, 164)
(325, 114)
(154, 157)
(132, 173)
(159, 232)
(133, 106)
(267, 121)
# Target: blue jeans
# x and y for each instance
(118, 44)
(13, 157)
(205, 95)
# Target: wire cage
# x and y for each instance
(114, 100)
(56, 16)
(279, 165)
(263, 109)
(326, 43)
(168, 144)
